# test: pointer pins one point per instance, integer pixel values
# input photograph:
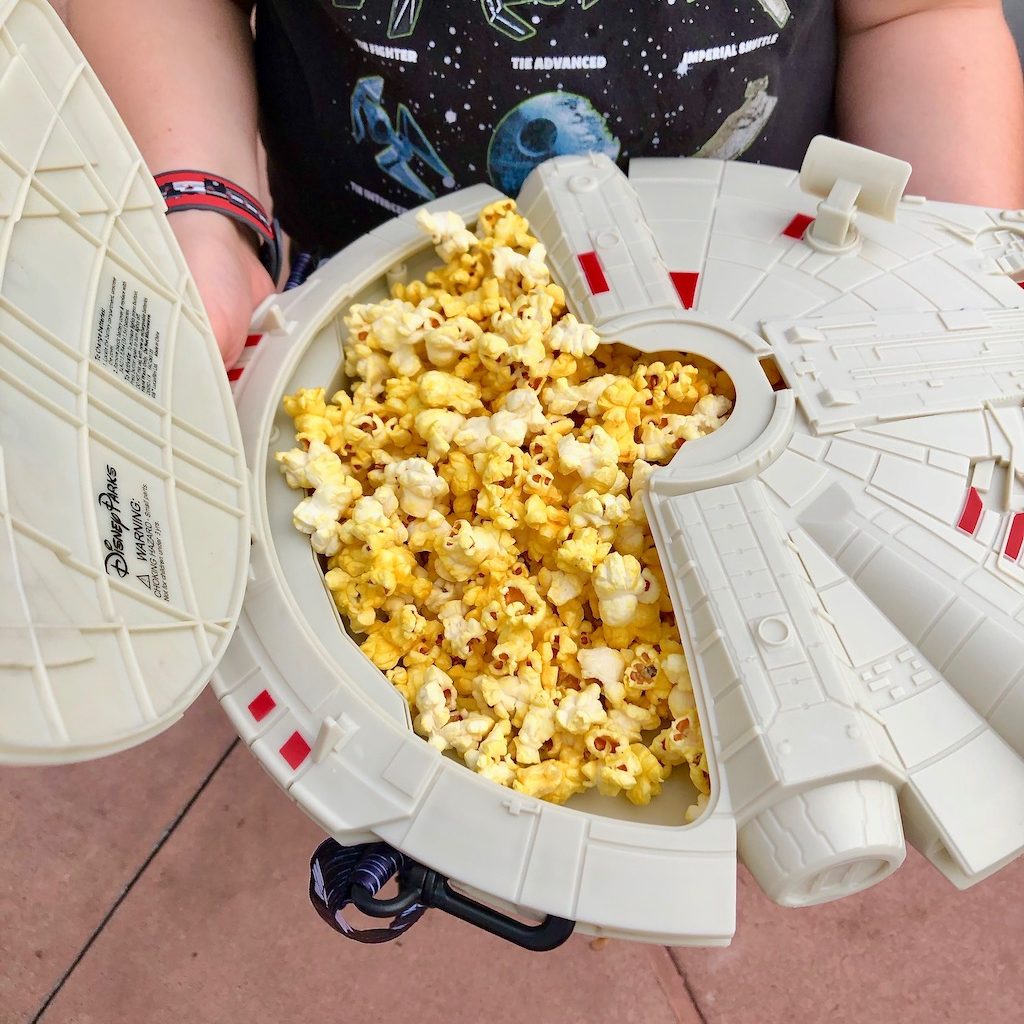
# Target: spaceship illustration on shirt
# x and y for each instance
(402, 143)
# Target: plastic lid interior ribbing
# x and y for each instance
(124, 529)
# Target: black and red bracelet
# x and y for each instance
(198, 190)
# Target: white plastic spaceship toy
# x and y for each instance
(844, 553)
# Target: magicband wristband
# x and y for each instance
(198, 190)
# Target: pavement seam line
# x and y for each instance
(686, 984)
(675, 987)
(123, 895)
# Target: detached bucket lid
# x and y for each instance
(124, 528)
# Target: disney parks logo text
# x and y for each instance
(115, 562)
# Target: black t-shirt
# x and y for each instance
(370, 107)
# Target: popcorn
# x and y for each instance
(419, 486)
(448, 232)
(643, 679)
(620, 584)
(446, 344)
(495, 745)
(565, 587)
(465, 734)
(681, 742)
(664, 436)
(334, 492)
(603, 512)
(607, 667)
(491, 758)
(579, 710)
(509, 696)
(306, 468)
(695, 811)
(475, 433)
(435, 701)
(524, 405)
(554, 781)
(459, 630)
(569, 335)
(507, 263)
(681, 695)
(563, 398)
(502, 771)
(632, 719)
(603, 742)
(699, 774)
(438, 428)
(469, 550)
(515, 641)
(537, 728)
(649, 776)
(440, 390)
(595, 461)
(479, 495)
(396, 327)
(583, 552)
(309, 411)
(387, 642)
(615, 772)
(428, 533)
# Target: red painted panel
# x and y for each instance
(295, 750)
(971, 515)
(685, 284)
(594, 272)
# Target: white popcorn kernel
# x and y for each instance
(448, 232)
(607, 667)
(565, 587)
(532, 268)
(537, 728)
(524, 404)
(419, 486)
(573, 337)
(618, 583)
(579, 710)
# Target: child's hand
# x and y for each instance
(231, 280)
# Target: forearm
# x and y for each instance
(940, 88)
(181, 75)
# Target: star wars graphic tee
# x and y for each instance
(371, 107)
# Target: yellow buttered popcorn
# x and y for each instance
(477, 496)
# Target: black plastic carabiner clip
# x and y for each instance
(419, 884)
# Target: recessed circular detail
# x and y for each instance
(582, 183)
(608, 239)
(774, 631)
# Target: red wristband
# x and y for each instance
(198, 190)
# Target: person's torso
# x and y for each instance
(373, 106)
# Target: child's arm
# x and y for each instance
(181, 75)
(938, 83)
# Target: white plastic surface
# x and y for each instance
(854, 615)
(845, 552)
(831, 604)
(123, 510)
(331, 730)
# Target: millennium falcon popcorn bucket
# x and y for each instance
(835, 533)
